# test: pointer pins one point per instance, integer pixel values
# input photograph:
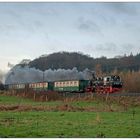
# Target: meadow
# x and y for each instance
(83, 118)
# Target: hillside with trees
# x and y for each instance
(66, 60)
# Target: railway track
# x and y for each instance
(125, 94)
(94, 94)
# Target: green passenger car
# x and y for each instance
(71, 86)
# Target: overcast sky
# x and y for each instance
(28, 30)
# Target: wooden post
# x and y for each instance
(34, 95)
(46, 97)
(107, 96)
(79, 95)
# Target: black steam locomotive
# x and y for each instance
(107, 84)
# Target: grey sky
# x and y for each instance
(28, 30)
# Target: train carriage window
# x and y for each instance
(21, 86)
(35, 85)
(64, 84)
(67, 83)
(76, 83)
(38, 85)
(59, 84)
(71, 83)
(45, 84)
(55, 84)
(41, 84)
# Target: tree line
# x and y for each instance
(67, 60)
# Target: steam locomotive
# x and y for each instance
(107, 84)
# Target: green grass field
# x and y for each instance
(55, 123)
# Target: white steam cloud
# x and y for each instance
(20, 74)
(2, 76)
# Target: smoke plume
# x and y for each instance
(25, 74)
(2, 76)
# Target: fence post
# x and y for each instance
(107, 96)
(34, 95)
(79, 95)
(46, 97)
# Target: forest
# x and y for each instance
(81, 61)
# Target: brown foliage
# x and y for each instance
(131, 81)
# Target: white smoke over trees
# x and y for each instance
(20, 74)
(2, 76)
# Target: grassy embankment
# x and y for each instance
(83, 118)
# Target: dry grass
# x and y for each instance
(123, 102)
